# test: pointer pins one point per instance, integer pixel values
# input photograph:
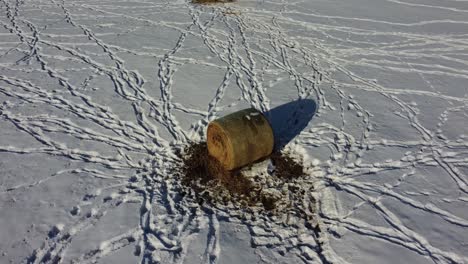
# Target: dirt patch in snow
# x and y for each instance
(269, 189)
(286, 167)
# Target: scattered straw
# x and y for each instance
(211, 183)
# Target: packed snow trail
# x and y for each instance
(98, 98)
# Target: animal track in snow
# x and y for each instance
(118, 89)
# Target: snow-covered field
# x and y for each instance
(96, 97)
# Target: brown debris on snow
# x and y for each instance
(286, 167)
(202, 173)
(212, 184)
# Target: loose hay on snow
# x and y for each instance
(205, 175)
(271, 190)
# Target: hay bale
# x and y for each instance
(240, 138)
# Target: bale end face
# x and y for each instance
(219, 145)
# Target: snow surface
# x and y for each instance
(96, 96)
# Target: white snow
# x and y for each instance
(97, 98)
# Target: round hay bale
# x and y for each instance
(240, 138)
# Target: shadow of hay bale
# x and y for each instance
(288, 120)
